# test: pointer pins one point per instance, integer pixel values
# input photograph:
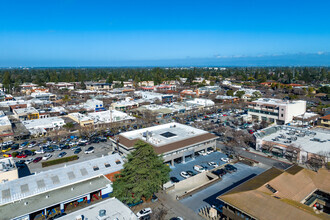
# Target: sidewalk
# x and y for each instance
(176, 207)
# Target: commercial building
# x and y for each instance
(8, 170)
(152, 97)
(94, 104)
(201, 102)
(97, 86)
(44, 96)
(295, 193)
(6, 130)
(29, 113)
(53, 191)
(296, 144)
(81, 119)
(40, 127)
(325, 121)
(124, 105)
(110, 116)
(109, 209)
(173, 141)
(275, 110)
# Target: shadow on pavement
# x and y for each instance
(212, 200)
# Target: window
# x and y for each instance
(107, 165)
(118, 162)
(95, 168)
(281, 115)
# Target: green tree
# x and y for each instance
(239, 94)
(6, 81)
(230, 92)
(143, 175)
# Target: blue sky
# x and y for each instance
(105, 33)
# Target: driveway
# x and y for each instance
(207, 196)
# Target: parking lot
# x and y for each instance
(198, 160)
(102, 148)
(207, 196)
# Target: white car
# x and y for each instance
(184, 174)
(202, 152)
(31, 145)
(144, 212)
(28, 161)
(89, 150)
(41, 151)
(213, 164)
(47, 156)
(225, 159)
(199, 168)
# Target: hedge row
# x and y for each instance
(59, 161)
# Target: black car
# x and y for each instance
(15, 146)
(66, 146)
(230, 168)
(219, 172)
(174, 179)
(191, 173)
(77, 151)
(81, 144)
(95, 141)
(103, 139)
(28, 152)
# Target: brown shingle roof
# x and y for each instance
(292, 186)
(327, 117)
(169, 147)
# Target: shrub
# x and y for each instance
(14, 154)
(59, 161)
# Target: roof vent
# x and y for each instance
(25, 203)
(102, 212)
(47, 196)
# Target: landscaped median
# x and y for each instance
(59, 161)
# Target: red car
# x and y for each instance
(37, 159)
(21, 156)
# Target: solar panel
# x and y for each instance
(24, 188)
(71, 175)
(83, 172)
(55, 179)
(6, 194)
(41, 184)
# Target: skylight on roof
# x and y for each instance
(24, 188)
(168, 134)
(271, 188)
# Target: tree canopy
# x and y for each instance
(143, 175)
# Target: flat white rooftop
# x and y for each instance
(312, 141)
(43, 122)
(279, 102)
(114, 209)
(164, 134)
(56, 178)
(104, 116)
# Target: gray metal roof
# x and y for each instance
(45, 181)
(53, 197)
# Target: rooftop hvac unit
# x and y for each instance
(102, 212)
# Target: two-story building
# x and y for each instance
(275, 110)
(173, 140)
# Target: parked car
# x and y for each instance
(219, 172)
(184, 174)
(28, 161)
(15, 146)
(62, 154)
(75, 148)
(46, 156)
(41, 151)
(230, 168)
(37, 159)
(5, 148)
(49, 150)
(212, 164)
(6, 155)
(22, 155)
(191, 173)
(174, 179)
(199, 168)
(144, 212)
(225, 159)
(103, 139)
(176, 218)
(28, 152)
(89, 150)
(77, 151)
